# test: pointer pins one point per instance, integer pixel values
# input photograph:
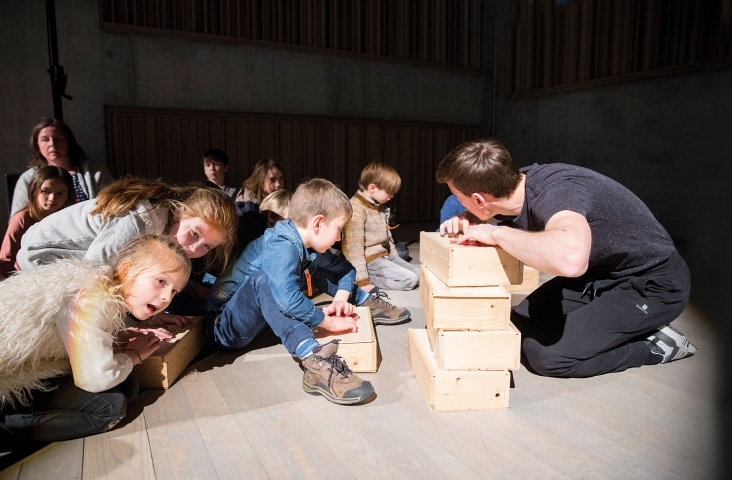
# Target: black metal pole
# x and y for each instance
(58, 77)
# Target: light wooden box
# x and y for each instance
(360, 349)
(163, 367)
(463, 308)
(472, 265)
(476, 350)
(530, 281)
(454, 390)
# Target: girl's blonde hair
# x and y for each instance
(381, 174)
(211, 205)
(277, 202)
(48, 172)
(150, 251)
(255, 183)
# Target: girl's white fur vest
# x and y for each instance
(56, 319)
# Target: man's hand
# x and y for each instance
(337, 324)
(480, 233)
(459, 223)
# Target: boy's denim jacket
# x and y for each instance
(281, 253)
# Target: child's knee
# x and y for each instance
(411, 282)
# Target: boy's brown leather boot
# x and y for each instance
(383, 312)
(328, 374)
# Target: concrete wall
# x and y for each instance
(134, 70)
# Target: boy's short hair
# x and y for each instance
(381, 174)
(480, 166)
(318, 196)
(216, 155)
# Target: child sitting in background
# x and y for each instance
(215, 167)
(265, 286)
(49, 190)
(253, 223)
(268, 176)
(276, 207)
(61, 377)
(367, 241)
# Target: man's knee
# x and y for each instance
(545, 361)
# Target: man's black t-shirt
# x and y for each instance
(626, 237)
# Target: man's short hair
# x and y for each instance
(216, 155)
(381, 174)
(480, 166)
(318, 196)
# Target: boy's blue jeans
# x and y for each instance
(253, 306)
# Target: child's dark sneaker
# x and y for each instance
(383, 312)
(670, 343)
(328, 374)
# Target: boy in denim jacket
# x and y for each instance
(265, 287)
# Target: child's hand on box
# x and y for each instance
(340, 324)
(339, 308)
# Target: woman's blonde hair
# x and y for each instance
(147, 252)
(381, 174)
(277, 202)
(48, 172)
(255, 183)
(211, 205)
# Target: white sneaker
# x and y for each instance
(670, 343)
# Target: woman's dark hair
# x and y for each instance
(75, 153)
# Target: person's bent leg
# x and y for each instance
(292, 332)
(241, 319)
(391, 275)
(65, 412)
(602, 336)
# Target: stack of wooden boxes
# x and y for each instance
(462, 359)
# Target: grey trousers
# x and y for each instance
(393, 273)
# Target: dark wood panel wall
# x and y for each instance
(581, 43)
(444, 33)
(169, 144)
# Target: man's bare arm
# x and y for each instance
(563, 248)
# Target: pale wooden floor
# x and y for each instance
(245, 416)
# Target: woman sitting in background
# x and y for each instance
(53, 143)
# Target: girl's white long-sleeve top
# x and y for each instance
(60, 318)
